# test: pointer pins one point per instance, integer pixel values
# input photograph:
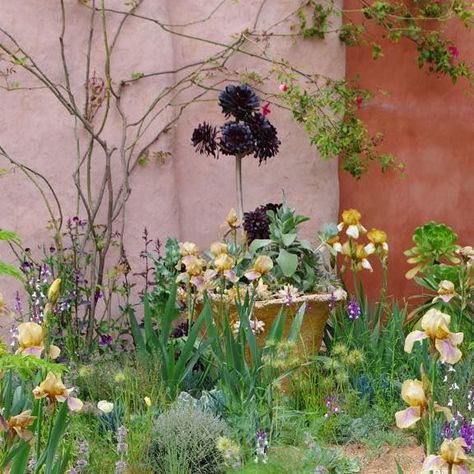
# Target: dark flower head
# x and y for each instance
(239, 101)
(257, 222)
(204, 139)
(266, 137)
(236, 139)
(105, 340)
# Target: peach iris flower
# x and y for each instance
(451, 455)
(31, 341)
(413, 394)
(53, 388)
(435, 326)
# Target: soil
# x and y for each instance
(409, 457)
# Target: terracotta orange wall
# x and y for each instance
(428, 124)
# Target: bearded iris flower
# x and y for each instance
(54, 291)
(188, 248)
(351, 219)
(413, 394)
(193, 270)
(105, 407)
(356, 253)
(451, 456)
(223, 266)
(263, 265)
(378, 239)
(232, 220)
(218, 248)
(435, 326)
(53, 388)
(446, 291)
(31, 341)
(17, 425)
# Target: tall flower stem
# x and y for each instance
(238, 186)
(431, 411)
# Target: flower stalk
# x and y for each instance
(238, 187)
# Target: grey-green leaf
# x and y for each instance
(288, 262)
(288, 239)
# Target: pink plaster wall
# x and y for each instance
(188, 196)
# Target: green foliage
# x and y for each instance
(329, 116)
(27, 365)
(399, 20)
(177, 357)
(5, 268)
(334, 462)
(165, 273)
(434, 243)
(52, 451)
(126, 379)
(318, 25)
(296, 262)
(246, 371)
(436, 52)
(184, 442)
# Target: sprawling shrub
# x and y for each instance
(184, 442)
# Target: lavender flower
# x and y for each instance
(353, 309)
(467, 433)
(83, 459)
(122, 448)
(261, 447)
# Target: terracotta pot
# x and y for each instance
(314, 320)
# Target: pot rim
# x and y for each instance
(308, 297)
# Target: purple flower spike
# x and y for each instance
(353, 309)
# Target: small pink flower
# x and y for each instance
(359, 101)
(283, 87)
(266, 109)
(453, 51)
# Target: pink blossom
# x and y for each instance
(453, 51)
(266, 109)
(283, 87)
(359, 101)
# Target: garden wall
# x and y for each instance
(187, 195)
(428, 124)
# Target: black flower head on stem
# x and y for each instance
(239, 101)
(236, 139)
(204, 139)
(250, 133)
(257, 223)
(266, 137)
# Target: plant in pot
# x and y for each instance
(269, 264)
(298, 274)
(278, 272)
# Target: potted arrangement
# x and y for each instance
(261, 259)
(274, 272)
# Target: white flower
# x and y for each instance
(256, 326)
(105, 407)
